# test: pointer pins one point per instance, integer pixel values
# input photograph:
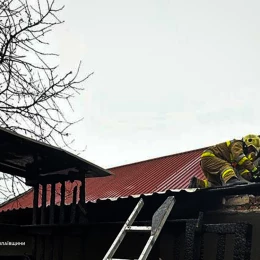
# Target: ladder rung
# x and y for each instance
(138, 229)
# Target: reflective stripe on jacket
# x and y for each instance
(233, 152)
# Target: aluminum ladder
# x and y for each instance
(158, 221)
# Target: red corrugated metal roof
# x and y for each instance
(171, 172)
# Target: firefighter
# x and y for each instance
(221, 163)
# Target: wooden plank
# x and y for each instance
(43, 208)
(34, 220)
(52, 203)
(35, 203)
(83, 246)
(74, 206)
(43, 215)
(62, 203)
(50, 178)
(82, 217)
(221, 247)
(62, 219)
(51, 256)
(60, 248)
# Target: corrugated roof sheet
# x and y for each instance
(157, 175)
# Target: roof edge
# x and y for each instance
(15, 198)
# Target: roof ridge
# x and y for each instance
(160, 157)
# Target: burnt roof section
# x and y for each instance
(25, 157)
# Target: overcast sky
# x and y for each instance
(169, 76)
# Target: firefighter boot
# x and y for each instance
(197, 183)
(235, 181)
(229, 178)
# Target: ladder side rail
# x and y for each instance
(122, 233)
(151, 241)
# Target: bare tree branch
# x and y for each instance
(31, 90)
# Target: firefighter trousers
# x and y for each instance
(216, 170)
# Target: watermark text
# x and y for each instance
(11, 243)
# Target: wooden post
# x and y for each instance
(62, 202)
(43, 215)
(82, 217)
(82, 195)
(43, 209)
(62, 218)
(74, 206)
(35, 203)
(34, 220)
(52, 203)
(52, 218)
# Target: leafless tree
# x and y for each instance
(32, 91)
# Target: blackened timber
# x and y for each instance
(82, 190)
(62, 218)
(42, 249)
(74, 206)
(251, 188)
(55, 230)
(49, 158)
(52, 211)
(202, 249)
(43, 215)
(177, 246)
(199, 222)
(34, 220)
(82, 195)
(60, 249)
(52, 203)
(82, 246)
(43, 208)
(9, 167)
(221, 247)
(35, 203)
(228, 228)
(190, 240)
(248, 242)
(242, 248)
(68, 175)
(62, 202)
(51, 248)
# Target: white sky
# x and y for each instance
(169, 76)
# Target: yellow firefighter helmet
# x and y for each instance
(253, 141)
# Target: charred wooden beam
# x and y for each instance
(52, 218)
(62, 218)
(82, 195)
(52, 203)
(9, 167)
(82, 191)
(221, 245)
(61, 248)
(43, 215)
(34, 220)
(55, 230)
(65, 175)
(35, 203)
(43, 208)
(83, 246)
(62, 202)
(74, 206)
(42, 249)
(51, 248)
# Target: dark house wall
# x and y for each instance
(98, 236)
